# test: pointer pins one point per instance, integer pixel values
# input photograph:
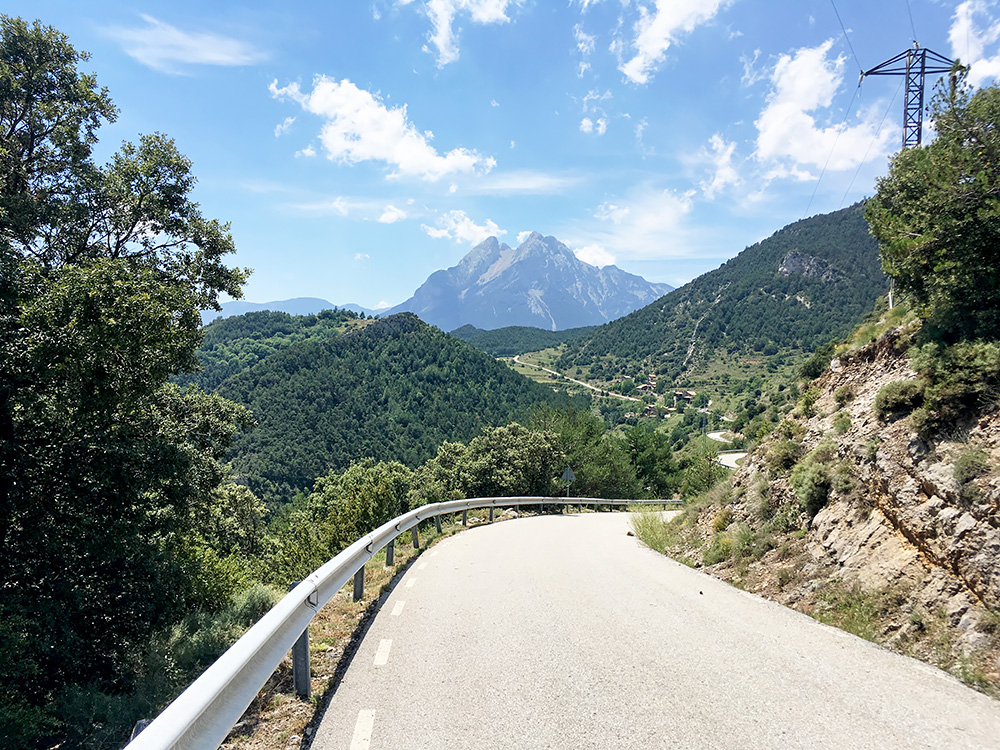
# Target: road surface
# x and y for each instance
(564, 632)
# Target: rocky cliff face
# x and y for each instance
(540, 283)
(908, 541)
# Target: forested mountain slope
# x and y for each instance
(391, 389)
(807, 283)
(513, 340)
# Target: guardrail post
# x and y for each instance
(465, 517)
(390, 553)
(416, 538)
(437, 523)
(359, 584)
(491, 514)
(300, 659)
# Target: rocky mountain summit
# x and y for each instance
(540, 283)
(905, 546)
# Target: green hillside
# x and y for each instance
(748, 307)
(390, 389)
(513, 340)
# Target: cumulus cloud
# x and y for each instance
(166, 48)
(391, 215)
(359, 127)
(586, 125)
(724, 174)
(656, 30)
(522, 236)
(307, 152)
(973, 30)
(443, 13)
(456, 225)
(595, 255)
(803, 83)
(282, 127)
(646, 225)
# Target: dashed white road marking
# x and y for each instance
(397, 610)
(409, 583)
(382, 655)
(421, 566)
(362, 739)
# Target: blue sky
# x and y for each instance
(356, 146)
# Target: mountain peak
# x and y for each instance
(540, 283)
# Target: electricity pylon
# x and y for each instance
(915, 64)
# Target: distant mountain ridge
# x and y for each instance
(539, 284)
(295, 306)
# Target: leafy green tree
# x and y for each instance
(105, 468)
(937, 214)
(511, 461)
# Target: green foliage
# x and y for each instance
(812, 477)
(745, 306)
(841, 422)
(843, 395)
(781, 455)
(105, 469)
(808, 401)
(513, 340)
(960, 378)
(816, 365)
(937, 217)
(392, 389)
(511, 461)
(898, 398)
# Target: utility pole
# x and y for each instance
(916, 64)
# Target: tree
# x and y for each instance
(105, 468)
(937, 215)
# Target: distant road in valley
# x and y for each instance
(578, 382)
(565, 632)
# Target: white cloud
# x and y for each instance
(166, 48)
(586, 125)
(656, 30)
(456, 225)
(525, 181)
(307, 152)
(361, 257)
(595, 255)
(724, 174)
(611, 212)
(582, 68)
(494, 103)
(751, 74)
(803, 83)
(602, 126)
(972, 30)
(391, 215)
(648, 225)
(442, 14)
(282, 127)
(359, 127)
(584, 41)
(585, 4)
(593, 99)
(382, 305)
(522, 236)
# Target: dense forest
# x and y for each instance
(513, 340)
(390, 389)
(749, 306)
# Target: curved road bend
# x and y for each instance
(564, 632)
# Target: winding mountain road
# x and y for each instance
(564, 632)
(578, 382)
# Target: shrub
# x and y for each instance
(841, 422)
(781, 455)
(809, 399)
(971, 464)
(722, 520)
(812, 477)
(898, 398)
(843, 395)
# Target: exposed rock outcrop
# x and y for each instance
(801, 264)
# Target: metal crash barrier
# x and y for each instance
(203, 715)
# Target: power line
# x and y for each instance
(846, 37)
(833, 148)
(870, 144)
(910, 14)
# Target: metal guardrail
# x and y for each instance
(203, 715)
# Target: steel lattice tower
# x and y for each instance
(916, 64)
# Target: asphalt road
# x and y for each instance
(564, 632)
